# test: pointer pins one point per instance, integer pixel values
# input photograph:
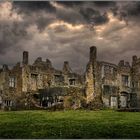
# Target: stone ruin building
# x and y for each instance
(40, 78)
(114, 86)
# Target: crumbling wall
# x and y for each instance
(10, 85)
(136, 78)
(25, 78)
(89, 83)
(42, 75)
(4, 82)
(108, 82)
(124, 71)
(92, 80)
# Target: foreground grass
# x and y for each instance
(69, 124)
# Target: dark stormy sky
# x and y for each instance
(65, 30)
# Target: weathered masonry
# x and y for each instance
(115, 86)
(40, 78)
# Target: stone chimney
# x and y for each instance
(93, 53)
(48, 63)
(25, 58)
(66, 67)
(134, 59)
(93, 62)
(5, 67)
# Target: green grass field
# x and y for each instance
(69, 124)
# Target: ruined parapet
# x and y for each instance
(38, 60)
(127, 64)
(124, 67)
(121, 63)
(42, 65)
(66, 67)
(25, 58)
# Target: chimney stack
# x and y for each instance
(48, 63)
(25, 58)
(134, 59)
(66, 67)
(5, 67)
(93, 53)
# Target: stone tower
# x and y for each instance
(91, 75)
(25, 58)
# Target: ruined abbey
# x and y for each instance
(114, 86)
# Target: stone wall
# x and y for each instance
(104, 83)
(93, 88)
(111, 82)
(136, 78)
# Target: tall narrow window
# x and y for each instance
(12, 82)
(34, 78)
(125, 80)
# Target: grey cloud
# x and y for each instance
(126, 10)
(42, 22)
(80, 3)
(71, 16)
(93, 15)
(35, 12)
(70, 3)
(81, 13)
(125, 47)
(76, 13)
(60, 43)
(133, 9)
(89, 11)
(10, 34)
(33, 6)
(104, 3)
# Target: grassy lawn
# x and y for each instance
(69, 124)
